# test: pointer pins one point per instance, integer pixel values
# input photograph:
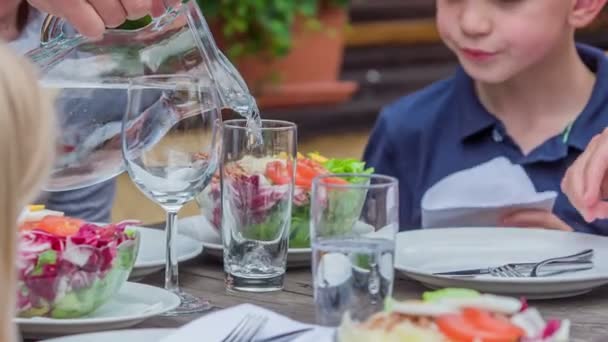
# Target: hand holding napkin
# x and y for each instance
(482, 195)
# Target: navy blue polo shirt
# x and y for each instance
(442, 129)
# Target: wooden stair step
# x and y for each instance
(378, 10)
(398, 80)
(396, 55)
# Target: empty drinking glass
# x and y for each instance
(170, 142)
(257, 188)
(354, 219)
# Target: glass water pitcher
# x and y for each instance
(91, 76)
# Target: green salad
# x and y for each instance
(258, 193)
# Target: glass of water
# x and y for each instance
(354, 219)
(257, 187)
(170, 144)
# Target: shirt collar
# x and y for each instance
(473, 118)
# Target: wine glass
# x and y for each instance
(170, 144)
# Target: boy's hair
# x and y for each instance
(27, 145)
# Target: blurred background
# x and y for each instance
(329, 66)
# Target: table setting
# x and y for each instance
(288, 246)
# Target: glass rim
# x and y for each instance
(283, 125)
(388, 181)
(141, 78)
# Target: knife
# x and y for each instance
(556, 267)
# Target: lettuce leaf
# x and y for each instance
(349, 165)
(299, 236)
(45, 258)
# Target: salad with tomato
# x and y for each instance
(456, 315)
(262, 183)
(67, 267)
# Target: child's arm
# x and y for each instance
(586, 181)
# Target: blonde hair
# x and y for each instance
(27, 144)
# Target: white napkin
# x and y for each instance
(216, 326)
(482, 195)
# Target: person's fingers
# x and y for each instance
(91, 18)
(604, 188)
(84, 18)
(159, 7)
(573, 183)
(598, 211)
(595, 170)
(535, 219)
(137, 8)
(111, 12)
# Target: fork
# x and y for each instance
(570, 263)
(506, 271)
(585, 255)
(509, 270)
(246, 329)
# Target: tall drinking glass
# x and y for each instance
(257, 186)
(354, 219)
(170, 146)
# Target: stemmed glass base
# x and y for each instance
(189, 305)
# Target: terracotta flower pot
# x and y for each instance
(308, 75)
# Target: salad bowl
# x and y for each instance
(68, 268)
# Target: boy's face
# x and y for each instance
(496, 40)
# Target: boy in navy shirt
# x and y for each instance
(525, 91)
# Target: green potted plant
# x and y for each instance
(290, 52)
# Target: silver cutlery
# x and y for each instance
(288, 336)
(585, 255)
(570, 263)
(246, 329)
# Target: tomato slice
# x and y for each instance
(306, 172)
(334, 181)
(316, 167)
(277, 172)
(460, 328)
(59, 225)
(303, 182)
(485, 321)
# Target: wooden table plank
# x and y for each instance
(204, 277)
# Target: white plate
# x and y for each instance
(133, 304)
(152, 251)
(132, 335)
(421, 253)
(199, 227)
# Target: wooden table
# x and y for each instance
(204, 277)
